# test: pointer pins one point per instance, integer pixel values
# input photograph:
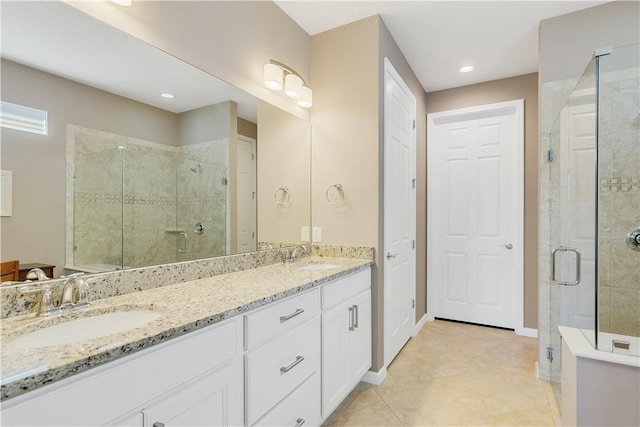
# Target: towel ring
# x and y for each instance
(335, 194)
(282, 196)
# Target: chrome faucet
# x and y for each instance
(37, 274)
(290, 256)
(75, 281)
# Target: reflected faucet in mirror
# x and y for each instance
(37, 274)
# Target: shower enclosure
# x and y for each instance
(136, 203)
(590, 186)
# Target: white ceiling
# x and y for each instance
(499, 38)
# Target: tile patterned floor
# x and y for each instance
(456, 374)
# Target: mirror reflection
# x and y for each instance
(124, 177)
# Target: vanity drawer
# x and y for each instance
(344, 288)
(281, 317)
(301, 406)
(277, 368)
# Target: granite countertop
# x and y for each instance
(184, 307)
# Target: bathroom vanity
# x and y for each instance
(275, 345)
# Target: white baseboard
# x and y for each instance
(527, 332)
(420, 324)
(375, 378)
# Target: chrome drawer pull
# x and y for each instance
(158, 424)
(299, 422)
(356, 323)
(352, 322)
(292, 315)
(286, 369)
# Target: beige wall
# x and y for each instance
(230, 39)
(348, 143)
(36, 231)
(283, 159)
(521, 87)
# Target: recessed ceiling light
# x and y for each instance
(167, 95)
(122, 2)
(466, 69)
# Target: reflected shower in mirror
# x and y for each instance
(125, 177)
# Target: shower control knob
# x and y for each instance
(633, 239)
(199, 228)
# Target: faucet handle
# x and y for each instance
(83, 292)
(47, 308)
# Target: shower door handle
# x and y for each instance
(183, 250)
(553, 266)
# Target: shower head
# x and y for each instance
(196, 167)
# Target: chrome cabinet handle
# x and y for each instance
(158, 424)
(299, 422)
(292, 315)
(286, 369)
(553, 266)
(508, 246)
(390, 255)
(357, 321)
(352, 322)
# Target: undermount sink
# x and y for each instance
(85, 328)
(315, 266)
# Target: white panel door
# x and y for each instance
(246, 194)
(577, 210)
(399, 213)
(475, 214)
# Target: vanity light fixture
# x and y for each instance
(466, 69)
(278, 76)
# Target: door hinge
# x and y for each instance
(413, 182)
(413, 303)
(253, 156)
(414, 124)
(253, 235)
(549, 155)
(550, 354)
(413, 244)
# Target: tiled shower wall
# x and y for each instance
(619, 201)
(136, 221)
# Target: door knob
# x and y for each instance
(508, 246)
(390, 255)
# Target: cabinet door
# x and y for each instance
(214, 400)
(335, 361)
(360, 338)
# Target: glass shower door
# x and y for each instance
(619, 201)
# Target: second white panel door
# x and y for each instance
(475, 213)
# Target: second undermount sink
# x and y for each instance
(315, 266)
(85, 328)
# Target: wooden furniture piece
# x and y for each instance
(10, 271)
(24, 269)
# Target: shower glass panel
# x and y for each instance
(202, 217)
(594, 204)
(97, 207)
(149, 206)
(618, 199)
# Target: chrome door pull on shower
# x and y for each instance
(186, 238)
(553, 266)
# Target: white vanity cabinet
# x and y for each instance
(282, 362)
(346, 337)
(192, 380)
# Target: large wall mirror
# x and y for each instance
(125, 177)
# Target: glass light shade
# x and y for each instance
(272, 76)
(306, 97)
(292, 85)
